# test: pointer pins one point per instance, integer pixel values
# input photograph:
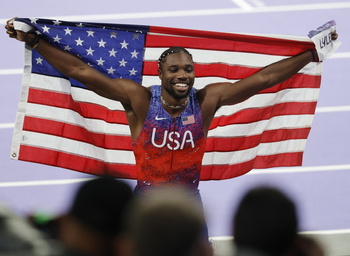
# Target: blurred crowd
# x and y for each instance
(107, 219)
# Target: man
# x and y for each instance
(168, 149)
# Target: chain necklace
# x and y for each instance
(171, 106)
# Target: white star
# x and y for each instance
(68, 31)
(112, 53)
(80, 25)
(90, 51)
(111, 70)
(39, 60)
(33, 20)
(134, 54)
(57, 39)
(79, 42)
(56, 22)
(90, 33)
(132, 72)
(101, 43)
(136, 36)
(67, 48)
(122, 63)
(100, 61)
(46, 29)
(124, 44)
(113, 34)
(38, 32)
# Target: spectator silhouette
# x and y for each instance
(265, 223)
(94, 219)
(167, 222)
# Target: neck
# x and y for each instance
(176, 107)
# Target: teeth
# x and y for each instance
(181, 85)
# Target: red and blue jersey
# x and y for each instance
(169, 150)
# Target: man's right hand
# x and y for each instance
(17, 34)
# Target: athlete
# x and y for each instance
(168, 123)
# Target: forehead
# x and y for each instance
(178, 58)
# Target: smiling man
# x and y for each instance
(168, 122)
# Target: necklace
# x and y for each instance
(171, 106)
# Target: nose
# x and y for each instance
(182, 74)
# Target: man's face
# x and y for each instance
(177, 74)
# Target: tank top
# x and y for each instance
(169, 151)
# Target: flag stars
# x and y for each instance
(133, 72)
(57, 39)
(79, 42)
(134, 54)
(113, 34)
(33, 20)
(124, 44)
(46, 29)
(112, 53)
(56, 22)
(136, 36)
(67, 48)
(90, 33)
(122, 63)
(101, 43)
(80, 25)
(90, 51)
(100, 61)
(111, 70)
(68, 31)
(39, 60)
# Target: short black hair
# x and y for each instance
(171, 50)
(100, 204)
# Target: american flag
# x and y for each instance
(62, 123)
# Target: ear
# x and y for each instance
(160, 73)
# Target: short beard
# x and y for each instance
(176, 96)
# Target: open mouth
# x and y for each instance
(181, 86)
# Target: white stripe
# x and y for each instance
(233, 58)
(71, 117)
(61, 85)
(263, 149)
(270, 99)
(77, 148)
(19, 71)
(256, 128)
(199, 12)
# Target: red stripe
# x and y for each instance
(258, 114)
(226, 144)
(224, 41)
(96, 167)
(78, 133)
(87, 110)
(220, 172)
(236, 72)
(75, 162)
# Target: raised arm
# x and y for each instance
(116, 89)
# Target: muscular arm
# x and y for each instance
(263, 79)
(213, 96)
(134, 97)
